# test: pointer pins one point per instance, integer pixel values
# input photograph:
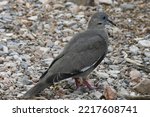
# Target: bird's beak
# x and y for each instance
(111, 22)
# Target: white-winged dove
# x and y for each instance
(81, 55)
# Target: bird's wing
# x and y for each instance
(66, 49)
(68, 46)
(80, 57)
(57, 58)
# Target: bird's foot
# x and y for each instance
(88, 85)
(78, 82)
(83, 82)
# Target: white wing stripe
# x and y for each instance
(88, 67)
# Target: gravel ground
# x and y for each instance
(34, 32)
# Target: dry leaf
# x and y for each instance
(143, 87)
(109, 93)
(135, 76)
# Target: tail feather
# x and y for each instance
(36, 89)
(44, 82)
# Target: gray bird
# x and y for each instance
(81, 55)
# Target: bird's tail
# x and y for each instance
(40, 86)
(44, 82)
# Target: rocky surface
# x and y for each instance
(34, 32)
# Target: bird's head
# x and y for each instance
(99, 20)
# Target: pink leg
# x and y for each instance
(86, 83)
(78, 82)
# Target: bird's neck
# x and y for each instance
(99, 27)
(101, 31)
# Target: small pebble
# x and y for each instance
(134, 49)
(144, 43)
(127, 6)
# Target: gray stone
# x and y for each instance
(68, 4)
(48, 61)
(106, 1)
(67, 30)
(78, 17)
(5, 49)
(97, 94)
(68, 15)
(49, 43)
(10, 64)
(44, 49)
(24, 65)
(82, 21)
(102, 75)
(110, 48)
(83, 2)
(43, 1)
(25, 57)
(114, 67)
(110, 80)
(114, 73)
(12, 46)
(2, 53)
(57, 42)
(26, 81)
(2, 30)
(123, 91)
(147, 54)
(6, 17)
(66, 39)
(12, 53)
(33, 18)
(127, 6)
(16, 57)
(72, 7)
(1, 47)
(29, 71)
(107, 61)
(2, 3)
(77, 92)
(69, 23)
(144, 43)
(47, 26)
(147, 59)
(134, 49)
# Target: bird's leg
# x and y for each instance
(86, 83)
(83, 82)
(78, 82)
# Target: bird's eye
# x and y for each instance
(104, 17)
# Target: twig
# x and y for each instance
(130, 60)
(140, 66)
(133, 62)
(140, 97)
